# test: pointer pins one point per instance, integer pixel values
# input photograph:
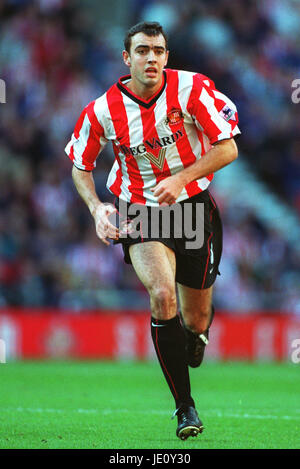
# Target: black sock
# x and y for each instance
(169, 343)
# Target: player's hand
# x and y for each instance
(168, 189)
(104, 228)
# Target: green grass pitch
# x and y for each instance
(127, 405)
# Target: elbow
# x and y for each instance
(233, 153)
(228, 150)
(74, 173)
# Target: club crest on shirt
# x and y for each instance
(174, 117)
(227, 113)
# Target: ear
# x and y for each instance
(167, 57)
(126, 58)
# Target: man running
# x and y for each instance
(171, 131)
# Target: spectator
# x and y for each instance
(54, 63)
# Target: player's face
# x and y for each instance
(147, 59)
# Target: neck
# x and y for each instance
(143, 91)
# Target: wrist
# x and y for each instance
(95, 207)
(183, 179)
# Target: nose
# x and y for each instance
(151, 56)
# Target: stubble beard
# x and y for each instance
(150, 82)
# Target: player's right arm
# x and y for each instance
(85, 145)
(85, 185)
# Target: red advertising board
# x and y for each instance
(39, 334)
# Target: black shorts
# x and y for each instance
(195, 267)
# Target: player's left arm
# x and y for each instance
(220, 155)
(216, 116)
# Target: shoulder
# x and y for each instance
(99, 105)
(90, 108)
(90, 116)
(98, 110)
(188, 79)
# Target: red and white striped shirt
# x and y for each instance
(156, 138)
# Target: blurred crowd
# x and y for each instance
(54, 63)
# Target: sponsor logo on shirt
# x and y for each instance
(145, 149)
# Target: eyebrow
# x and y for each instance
(148, 47)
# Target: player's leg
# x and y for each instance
(154, 264)
(197, 313)
(195, 276)
(195, 307)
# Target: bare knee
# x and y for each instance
(163, 302)
(197, 321)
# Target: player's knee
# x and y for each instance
(197, 322)
(196, 327)
(163, 301)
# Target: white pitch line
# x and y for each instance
(208, 413)
(39, 410)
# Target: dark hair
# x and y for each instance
(149, 28)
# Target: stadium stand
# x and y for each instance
(54, 62)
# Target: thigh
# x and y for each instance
(195, 306)
(155, 265)
(198, 269)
